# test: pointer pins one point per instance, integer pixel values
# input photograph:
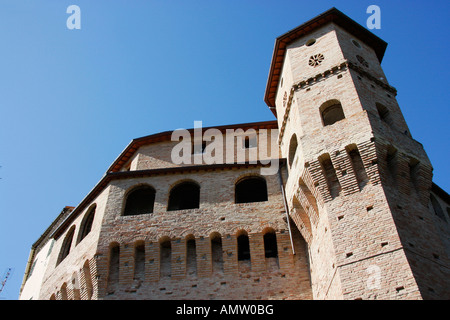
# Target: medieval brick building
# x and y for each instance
(345, 210)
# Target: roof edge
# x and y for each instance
(331, 15)
(131, 148)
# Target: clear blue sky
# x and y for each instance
(71, 100)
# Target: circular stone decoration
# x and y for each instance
(316, 59)
(310, 42)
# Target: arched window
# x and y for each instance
(331, 112)
(67, 243)
(251, 189)
(140, 201)
(185, 195)
(243, 246)
(86, 224)
(293, 144)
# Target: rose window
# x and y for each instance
(316, 59)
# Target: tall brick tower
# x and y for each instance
(359, 184)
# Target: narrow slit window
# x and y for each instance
(191, 256)
(165, 258)
(243, 247)
(270, 245)
(391, 161)
(139, 260)
(217, 252)
(114, 259)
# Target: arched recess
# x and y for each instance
(165, 257)
(243, 244)
(139, 260)
(191, 255)
(216, 252)
(301, 219)
(357, 164)
(113, 263)
(87, 276)
(329, 172)
(63, 291)
(270, 247)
